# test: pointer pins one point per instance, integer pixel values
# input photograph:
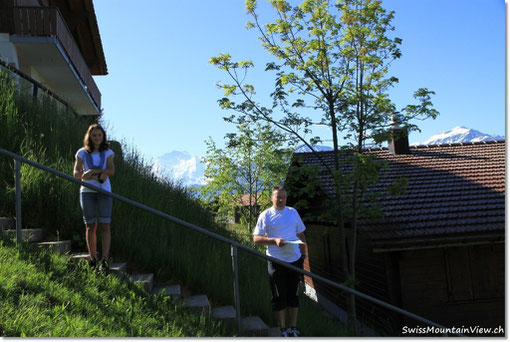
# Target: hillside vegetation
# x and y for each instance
(44, 133)
(47, 295)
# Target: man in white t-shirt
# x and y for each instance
(281, 229)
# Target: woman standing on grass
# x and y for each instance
(94, 165)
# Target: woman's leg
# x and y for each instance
(88, 206)
(91, 238)
(105, 239)
(105, 214)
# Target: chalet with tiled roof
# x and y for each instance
(438, 250)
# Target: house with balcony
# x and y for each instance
(437, 250)
(56, 46)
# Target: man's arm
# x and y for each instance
(302, 248)
(264, 240)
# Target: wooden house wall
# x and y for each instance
(427, 282)
(435, 285)
(324, 259)
(6, 17)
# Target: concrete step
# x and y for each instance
(173, 291)
(80, 256)
(147, 280)
(199, 303)
(224, 313)
(274, 332)
(58, 246)
(254, 326)
(7, 223)
(30, 235)
(118, 268)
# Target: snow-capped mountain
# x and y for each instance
(180, 166)
(317, 148)
(460, 135)
(186, 168)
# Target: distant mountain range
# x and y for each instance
(180, 166)
(459, 134)
(317, 148)
(186, 168)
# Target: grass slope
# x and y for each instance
(43, 294)
(43, 132)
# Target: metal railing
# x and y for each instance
(40, 89)
(234, 244)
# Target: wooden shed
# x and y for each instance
(439, 249)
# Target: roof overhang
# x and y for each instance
(438, 242)
(48, 58)
(80, 17)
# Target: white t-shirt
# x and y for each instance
(285, 224)
(96, 159)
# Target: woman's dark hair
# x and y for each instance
(87, 143)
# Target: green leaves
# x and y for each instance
(253, 161)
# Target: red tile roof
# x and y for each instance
(245, 200)
(455, 191)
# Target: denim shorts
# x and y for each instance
(90, 201)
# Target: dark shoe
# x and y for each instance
(93, 263)
(104, 266)
(284, 332)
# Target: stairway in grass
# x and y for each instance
(33, 235)
(251, 326)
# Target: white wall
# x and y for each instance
(8, 51)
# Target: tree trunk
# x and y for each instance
(351, 303)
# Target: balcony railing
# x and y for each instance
(47, 21)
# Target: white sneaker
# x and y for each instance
(293, 332)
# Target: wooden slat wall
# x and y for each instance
(6, 16)
(425, 290)
(324, 259)
(423, 287)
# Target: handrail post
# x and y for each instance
(17, 169)
(236, 288)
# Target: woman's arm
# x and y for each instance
(78, 168)
(109, 171)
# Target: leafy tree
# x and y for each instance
(252, 162)
(332, 60)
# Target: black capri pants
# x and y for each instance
(284, 285)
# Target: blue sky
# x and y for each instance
(160, 94)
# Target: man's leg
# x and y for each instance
(293, 314)
(293, 297)
(280, 318)
(278, 296)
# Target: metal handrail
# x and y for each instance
(234, 244)
(37, 85)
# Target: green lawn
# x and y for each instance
(46, 295)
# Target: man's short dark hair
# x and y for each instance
(279, 188)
